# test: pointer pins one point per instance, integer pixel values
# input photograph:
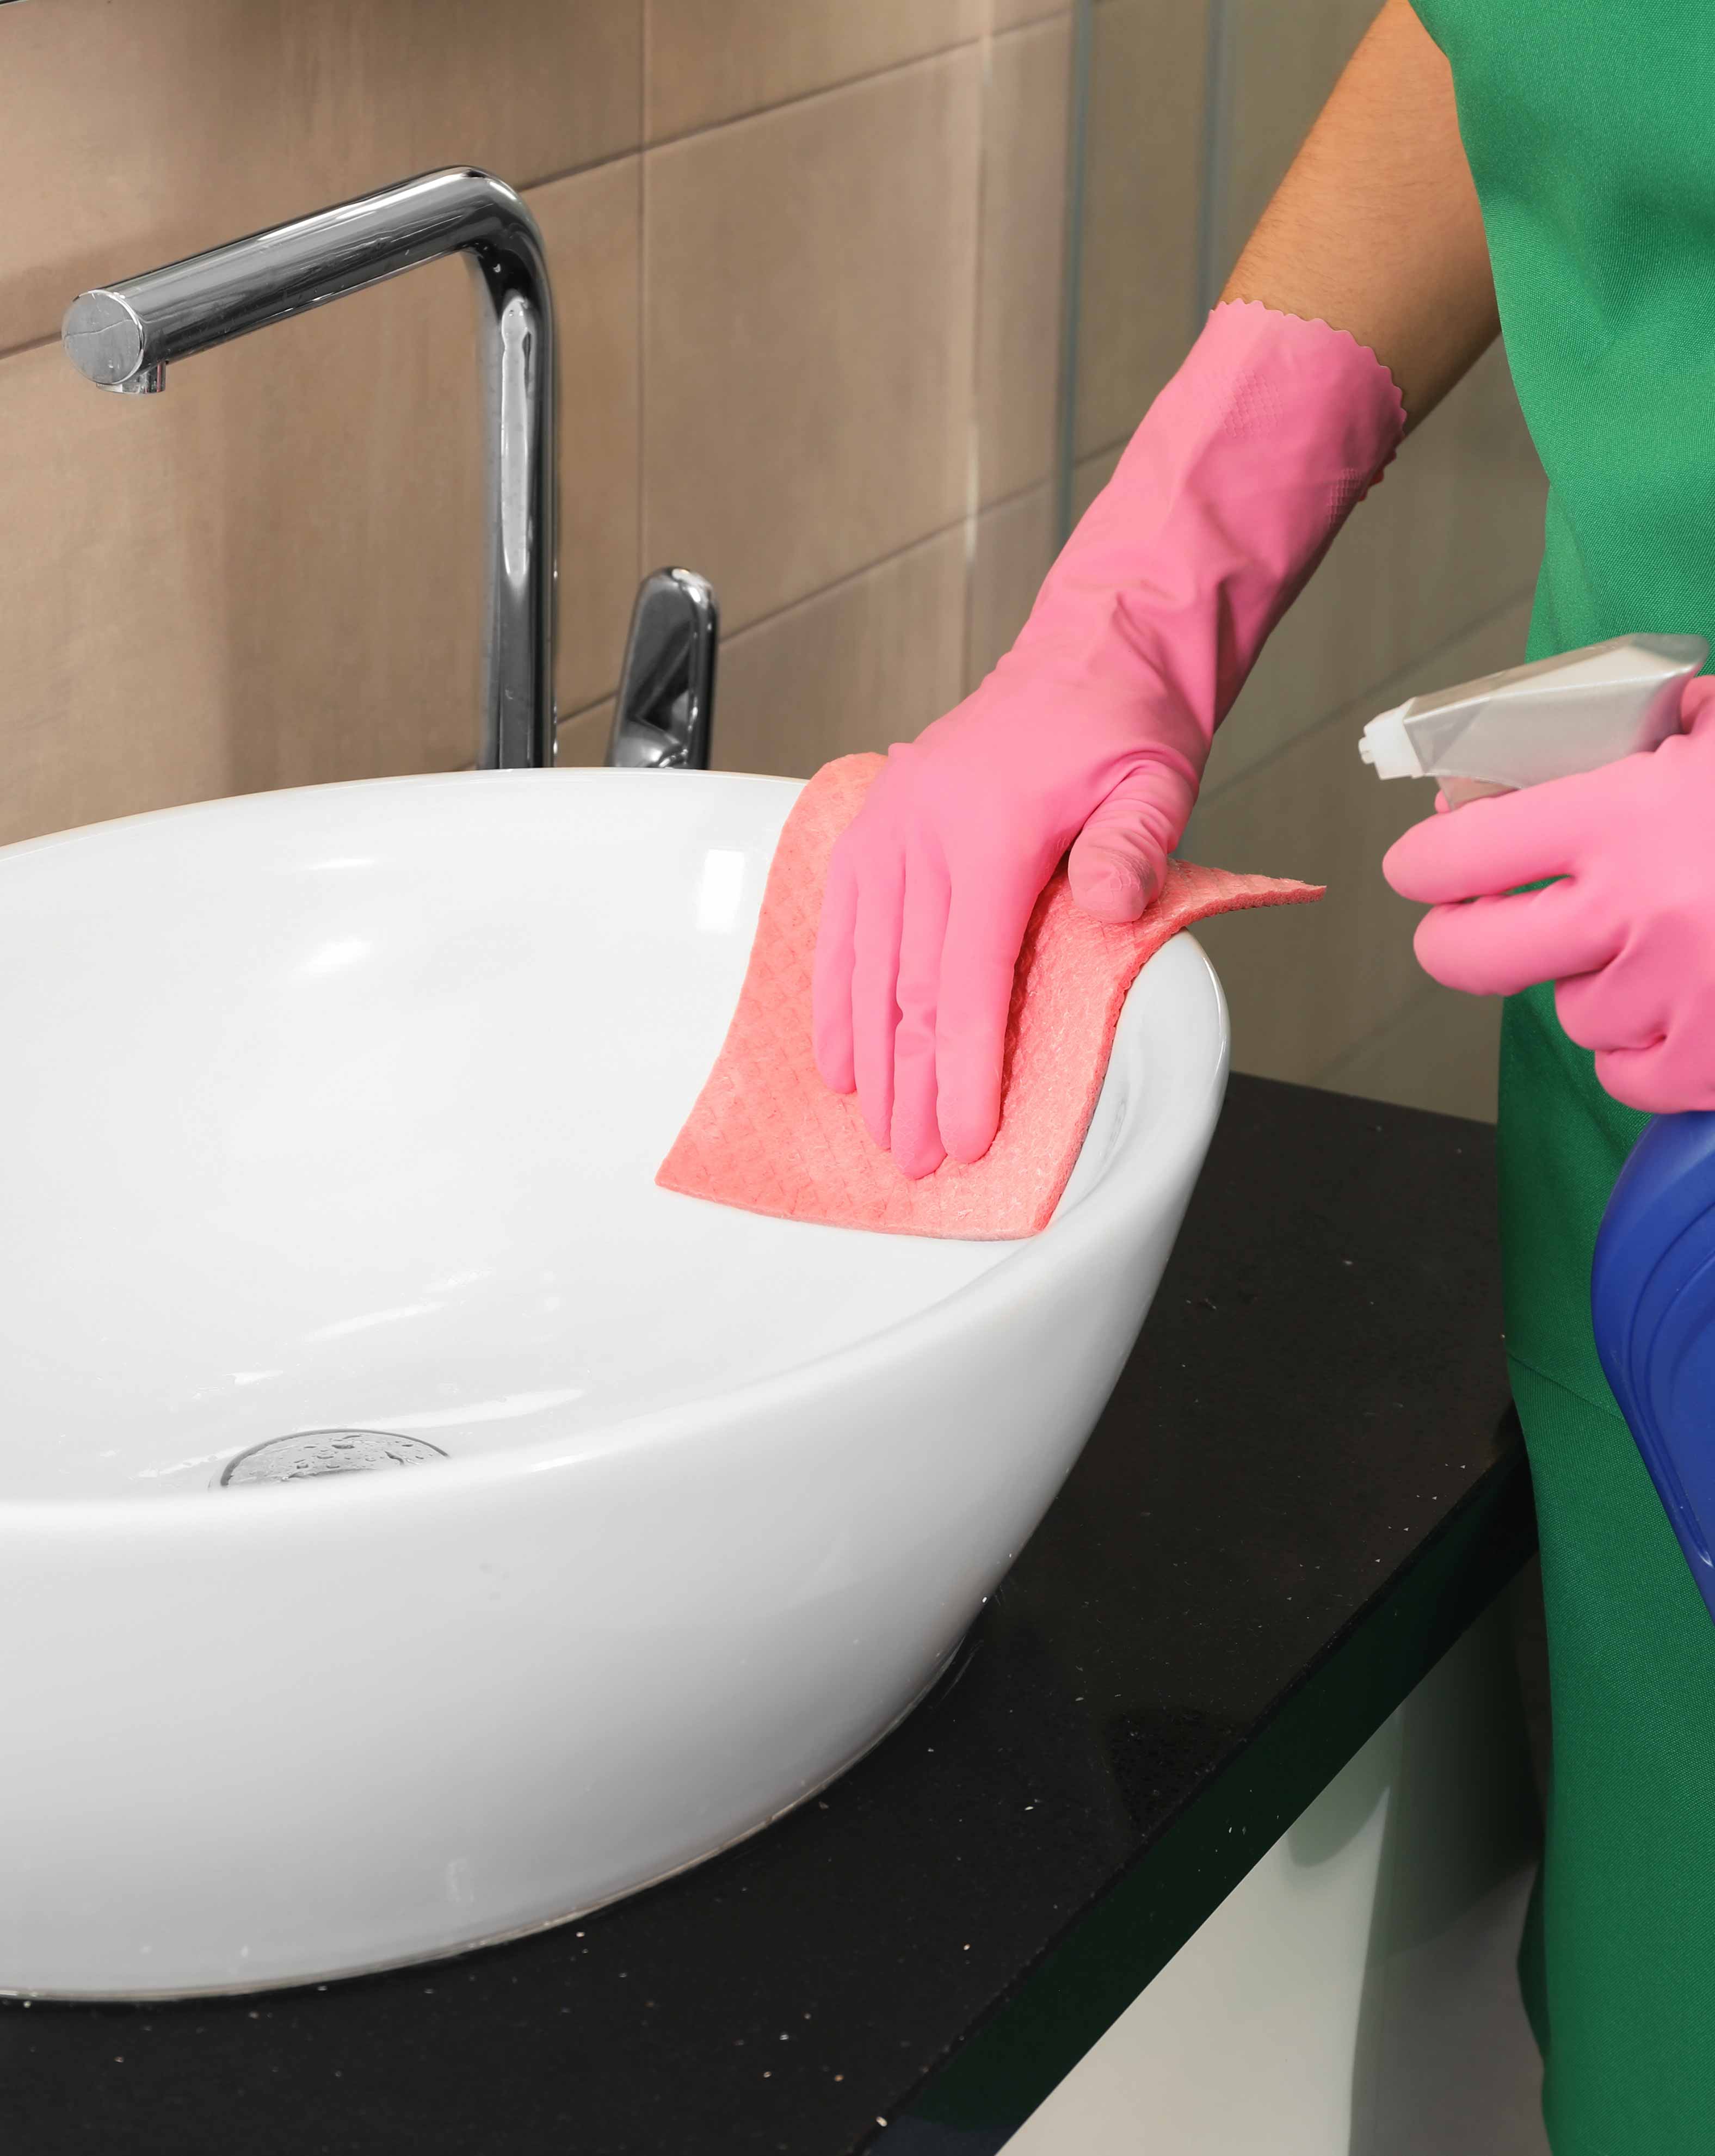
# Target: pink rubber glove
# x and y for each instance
(1627, 934)
(1093, 730)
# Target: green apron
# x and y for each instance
(1590, 129)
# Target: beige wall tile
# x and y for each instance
(135, 135)
(808, 295)
(1306, 984)
(1090, 474)
(1442, 1052)
(1453, 533)
(1008, 15)
(870, 662)
(583, 737)
(710, 60)
(593, 227)
(1280, 63)
(1026, 110)
(1013, 548)
(272, 574)
(1138, 296)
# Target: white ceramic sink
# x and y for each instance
(339, 1109)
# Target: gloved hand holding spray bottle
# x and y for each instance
(1605, 758)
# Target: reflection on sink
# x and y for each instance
(337, 1110)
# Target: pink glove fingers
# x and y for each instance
(1648, 989)
(1118, 860)
(985, 931)
(916, 1135)
(1488, 847)
(1671, 1075)
(1592, 1018)
(1497, 946)
(1616, 1006)
(1645, 1078)
(831, 977)
(874, 989)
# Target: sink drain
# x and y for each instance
(307, 1452)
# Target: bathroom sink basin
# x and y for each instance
(337, 1112)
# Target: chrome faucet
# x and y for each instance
(125, 335)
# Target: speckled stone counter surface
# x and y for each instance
(1307, 1483)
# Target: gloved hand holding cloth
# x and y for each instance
(1093, 730)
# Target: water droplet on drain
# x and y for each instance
(305, 1452)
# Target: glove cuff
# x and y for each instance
(1225, 500)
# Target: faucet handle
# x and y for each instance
(667, 702)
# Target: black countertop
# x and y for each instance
(1307, 1483)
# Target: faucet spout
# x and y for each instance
(124, 335)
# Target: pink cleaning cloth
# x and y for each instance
(767, 1136)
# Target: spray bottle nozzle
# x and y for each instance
(1546, 720)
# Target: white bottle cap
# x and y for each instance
(1386, 744)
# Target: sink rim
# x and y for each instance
(1183, 974)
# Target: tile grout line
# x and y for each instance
(647, 43)
(808, 96)
(1216, 145)
(1071, 292)
(882, 561)
(973, 431)
(580, 171)
(645, 47)
(939, 53)
(640, 200)
(30, 344)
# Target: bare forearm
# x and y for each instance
(1375, 228)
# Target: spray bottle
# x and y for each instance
(1548, 720)
(1652, 1287)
